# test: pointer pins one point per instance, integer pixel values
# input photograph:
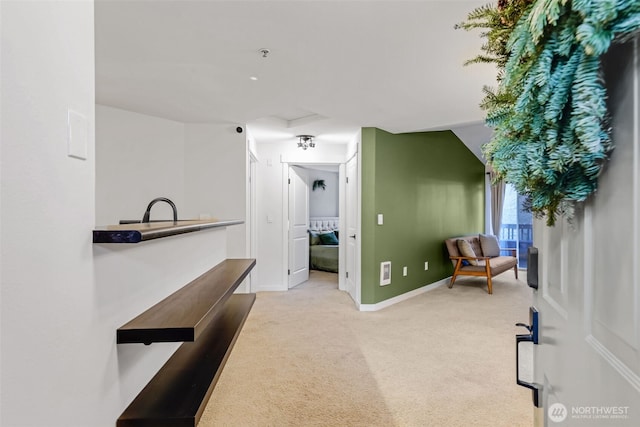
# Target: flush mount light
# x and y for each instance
(254, 78)
(305, 141)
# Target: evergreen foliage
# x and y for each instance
(549, 112)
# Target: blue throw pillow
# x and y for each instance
(328, 238)
(314, 238)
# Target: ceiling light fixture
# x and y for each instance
(305, 141)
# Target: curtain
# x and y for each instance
(497, 201)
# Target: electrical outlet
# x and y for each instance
(404, 270)
(426, 265)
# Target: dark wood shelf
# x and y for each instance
(139, 232)
(185, 314)
(179, 392)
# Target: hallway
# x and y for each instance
(308, 357)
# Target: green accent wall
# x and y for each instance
(429, 187)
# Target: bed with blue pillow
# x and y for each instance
(323, 244)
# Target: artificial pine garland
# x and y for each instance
(549, 112)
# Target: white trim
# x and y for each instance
(407, 295)
(285, 224)
(587, 271)
(631, 377)
(252, 216)
(342, 228)
(636, 188)
(546, 295)
(270, 288)
(358, 153)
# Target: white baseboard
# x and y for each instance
(272, 288)
(391, 301)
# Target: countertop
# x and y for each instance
(139, 232)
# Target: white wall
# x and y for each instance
(138, 158)
(352, 146)
(215, 178)
(1, 138)
(48, 355)
(62, 296)
(200, 167)
(251, 143)
(128, 279)
(271, 201)
(323, 202)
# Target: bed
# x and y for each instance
(323, 244)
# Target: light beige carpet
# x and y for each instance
(307, 357)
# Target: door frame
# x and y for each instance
(358, 203)
(286, 163)
(252, 208)
(291, 171)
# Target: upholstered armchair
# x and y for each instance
(479, 256)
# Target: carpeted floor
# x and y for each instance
(307, 357)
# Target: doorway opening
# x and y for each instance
(298, 188)
(314, 222)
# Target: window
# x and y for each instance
(516, 229)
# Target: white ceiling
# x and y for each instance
(334, 66)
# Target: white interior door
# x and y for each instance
(588, 358)
(351, 191)
(298, 226)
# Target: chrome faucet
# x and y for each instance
(147, 213)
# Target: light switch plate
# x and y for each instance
(380, 219)
(78, 135)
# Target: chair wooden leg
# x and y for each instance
(455, 273)
(488, 270)
(453, 279)
(516, 271)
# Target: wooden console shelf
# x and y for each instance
(184, 315)
(140, 232)
(179, 392)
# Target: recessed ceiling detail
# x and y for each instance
(305, 120)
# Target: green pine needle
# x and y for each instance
(549, 111)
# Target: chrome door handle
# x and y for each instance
(531, 337)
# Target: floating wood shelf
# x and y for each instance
(177, 395)
(139, 232)
(185, 314)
